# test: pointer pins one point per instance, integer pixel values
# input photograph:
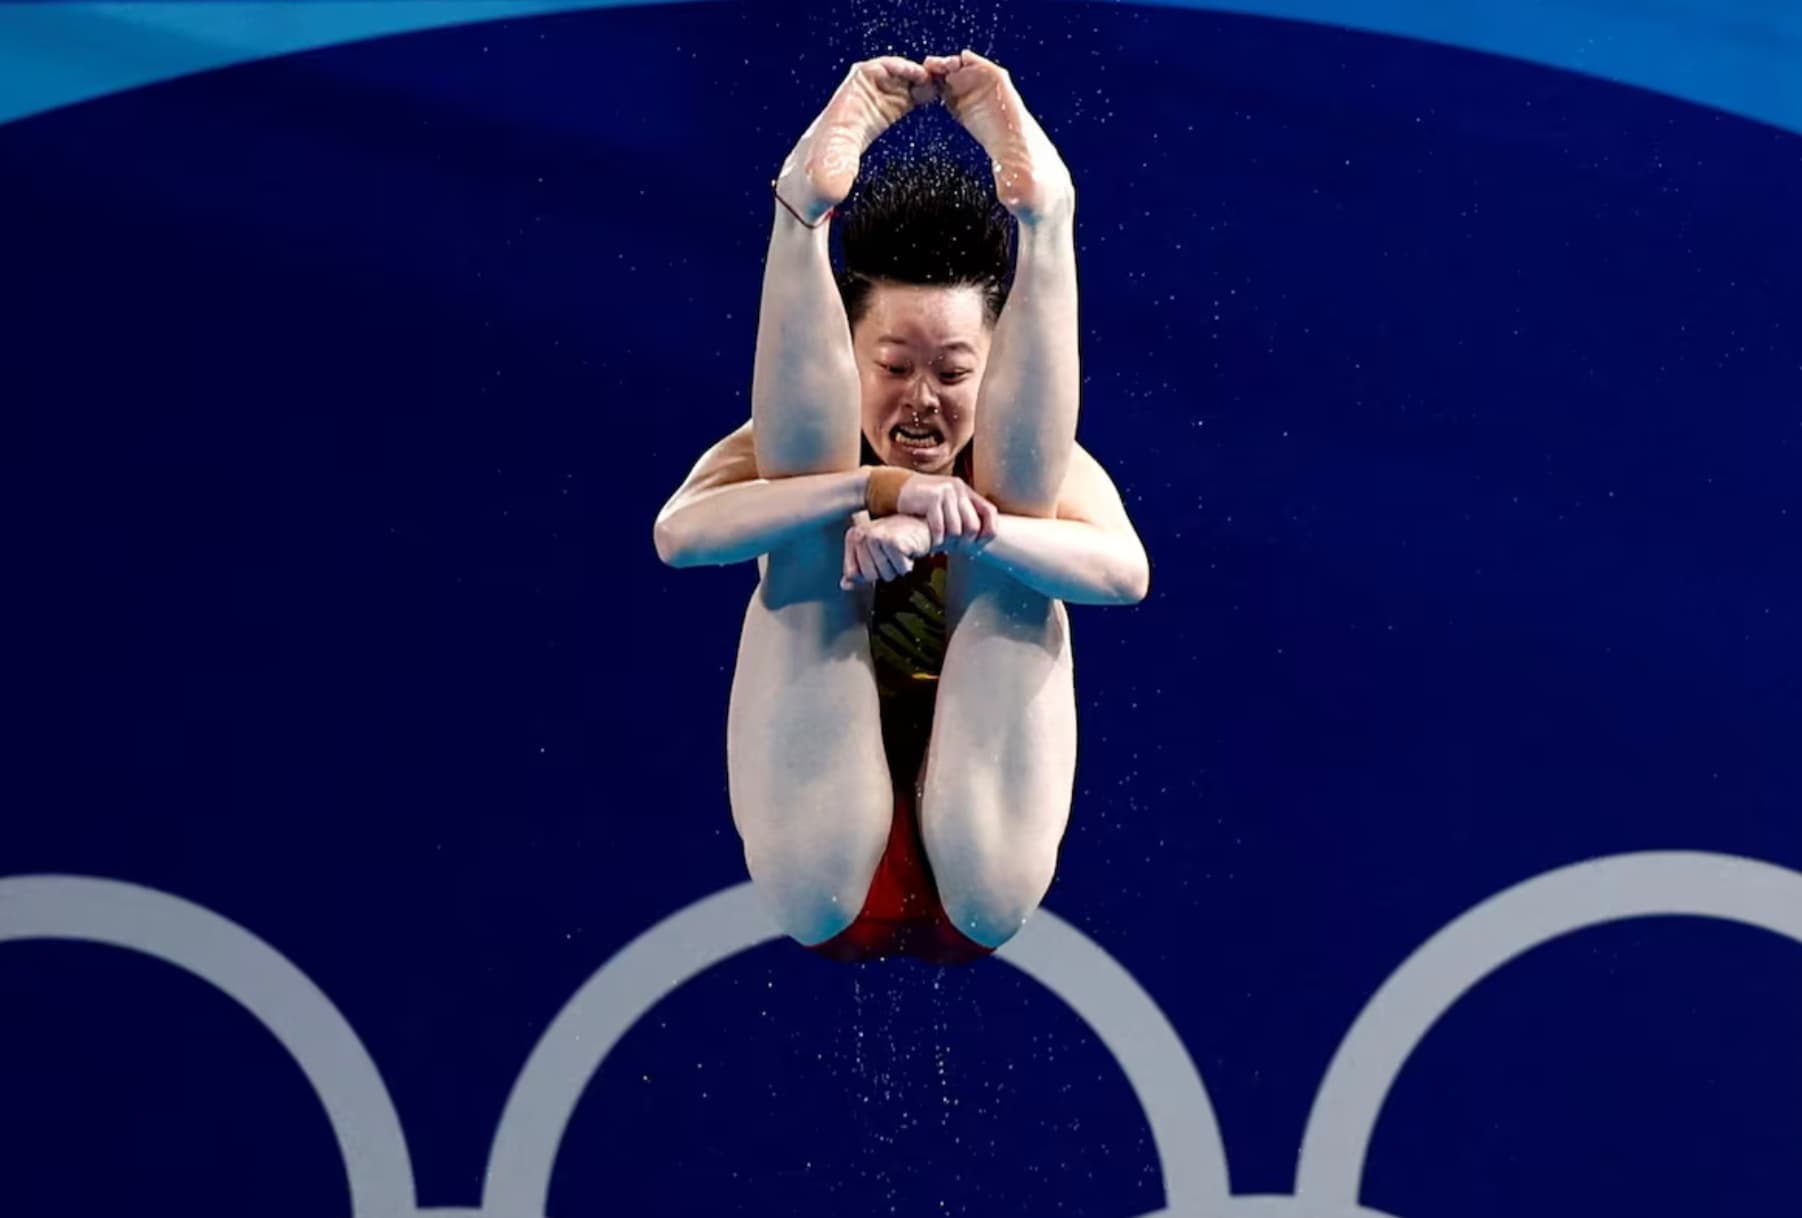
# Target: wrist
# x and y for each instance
(849, 490)
(976, 547)
(882, 490)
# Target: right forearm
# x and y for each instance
(749, 519)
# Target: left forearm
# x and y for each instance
(1069, 560)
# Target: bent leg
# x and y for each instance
(1027, 406)
(1003, 759)
(808, 780)
(804, 388)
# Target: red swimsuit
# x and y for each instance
(902, 916)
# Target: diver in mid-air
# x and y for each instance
(901, 739)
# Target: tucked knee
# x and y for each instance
(813, 895)
(989, 904)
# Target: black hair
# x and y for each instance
(925, 221)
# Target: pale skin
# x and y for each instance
(922, 375)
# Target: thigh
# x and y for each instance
(1003, 755)
(808, 782)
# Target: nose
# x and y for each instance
(923, 397)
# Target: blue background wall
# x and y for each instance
(1459, 401)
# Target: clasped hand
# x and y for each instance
(933, 515)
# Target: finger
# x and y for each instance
(972, 521)
(867, 565)
(856, 565)
(848, 576)
(885, 562)
(901, 560)
(935, 523)
(991, 516)
(954, 519)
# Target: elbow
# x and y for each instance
(1134, 584)
(674, 548)
(1136, 588)
(1112, 589)
(1113, 582)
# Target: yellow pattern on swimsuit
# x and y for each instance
(907, 628)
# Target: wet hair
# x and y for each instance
(925, 222)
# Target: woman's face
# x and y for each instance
(920, 355)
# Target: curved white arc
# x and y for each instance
(281, 997)
(572, 1048)
(1276, 1205)
(627, 986)
(1191, 1153)
(1488, 936)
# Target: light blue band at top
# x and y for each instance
(57, 52)
(1742, 56)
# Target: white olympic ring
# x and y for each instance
(1190, 1151)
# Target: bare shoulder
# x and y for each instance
(736, 452)
(1089, 494)
(730, 460)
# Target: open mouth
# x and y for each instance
(917, 439)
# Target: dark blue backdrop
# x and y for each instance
(1457, 401)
